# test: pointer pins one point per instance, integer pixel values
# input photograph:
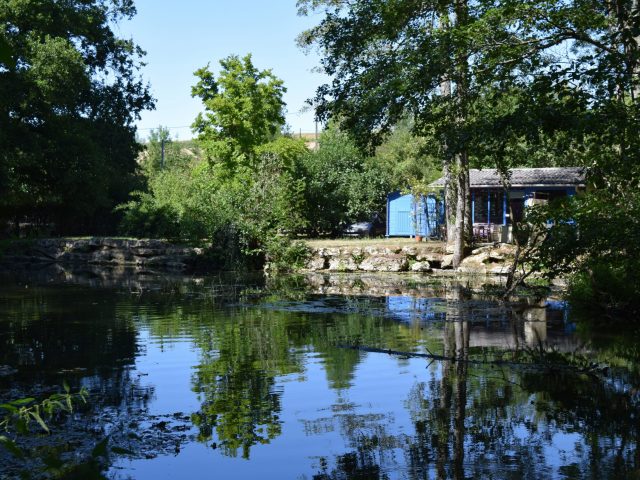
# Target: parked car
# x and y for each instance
(368, 228)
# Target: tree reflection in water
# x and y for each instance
(483, 421)
(455, 419)
(236, 381)
(242, 360)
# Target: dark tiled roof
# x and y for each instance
(526, 177)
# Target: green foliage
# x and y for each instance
(176, 154)
(251, 188)
(236, 214)
(20, 414)
(256, 189)
(607, 287)
(410, 160)
(143, 217)
(68, 100)
(503, 85)
(243, 110)
(285, 255)
(16, 418)
(342, 184)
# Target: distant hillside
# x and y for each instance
(188, 148)
(191, 147)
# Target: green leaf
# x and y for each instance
(12, 447)
(9, 407)
(22, 401)
(36, 416)
(60, 405)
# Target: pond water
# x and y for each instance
(227, 378)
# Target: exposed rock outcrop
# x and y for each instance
(144, 253)
(393, 262)
(425, 258)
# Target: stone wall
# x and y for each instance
(492, 259)
(143, 253)
(158, 254)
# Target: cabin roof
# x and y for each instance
(525, 177)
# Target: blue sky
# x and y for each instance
(180, 37)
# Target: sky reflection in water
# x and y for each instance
(262, 389)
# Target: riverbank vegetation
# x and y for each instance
(251, 194)
(514, 84)
(70, 93)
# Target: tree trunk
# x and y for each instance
(450, 192)
(468, 221)
(461, 203)
(461, 73)
(456, 163)
(450, 202)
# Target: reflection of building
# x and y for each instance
(531, 326)
(490, 324)
(491, 208)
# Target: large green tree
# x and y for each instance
(245, 194)
(493, 83)
(68, 98)
(243, 110)
(428, 60)
(597, 83)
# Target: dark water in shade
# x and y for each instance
(225, 378)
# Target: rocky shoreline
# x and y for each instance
(103, 251)
(492, 259)
(142, 254)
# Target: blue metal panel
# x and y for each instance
(399, 217)
(407, 216)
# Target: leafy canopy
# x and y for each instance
(69, 95)
(243, 110)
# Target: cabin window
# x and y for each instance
(549, 195)
(516, 206)
(480, 208)
(496, 207)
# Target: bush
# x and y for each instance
(236, 212)
(143, 218)
(606, 287)
(284, 255)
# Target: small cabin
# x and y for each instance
(490, 205)
(410, 216)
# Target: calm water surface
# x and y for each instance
(223, 378)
